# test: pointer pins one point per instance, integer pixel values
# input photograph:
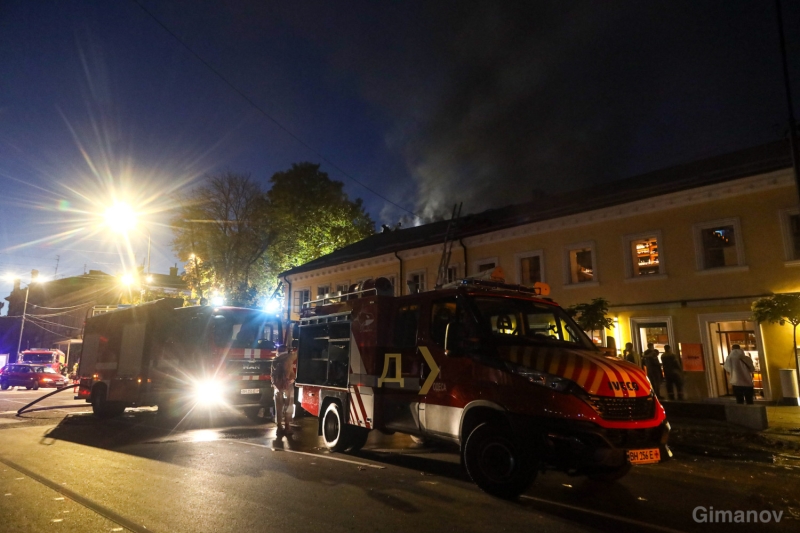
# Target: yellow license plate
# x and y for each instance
(642, 457)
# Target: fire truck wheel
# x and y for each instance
(102, 408)
(609, 475)
(335, 433)
(497, 462)
(358, 439)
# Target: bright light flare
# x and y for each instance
(208, 392)
(126, 279)
(272, 306)
(217, 300)
(149, 279)
(120, 218)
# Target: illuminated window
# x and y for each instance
(530, 268)
(322, 290)
(718, 244)
(580, 263)
(644, 256)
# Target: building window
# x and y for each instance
(530, 268)
(452, 274)
(790, 221)
(342, 287)
(322, 290)
(719, 244)
(482, 265)
(301, 297)
(643, 255)
(581, 263)
(416, 282)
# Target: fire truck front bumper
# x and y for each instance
(583, 447)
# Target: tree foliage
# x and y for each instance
(779, 309)
(224, 225)
(235, 238)
(311, 216)
(591, 316)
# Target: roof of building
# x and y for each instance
(699, 173)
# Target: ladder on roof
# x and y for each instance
(447, 249)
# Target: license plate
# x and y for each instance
(251, 391)
(642, 457)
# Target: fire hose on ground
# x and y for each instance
(25, 409)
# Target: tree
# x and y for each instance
(591, 316)
(780, 309)
(222, 231)
(311, 216)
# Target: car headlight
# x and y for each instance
(47, 380)
(542, 379)
(208, 392)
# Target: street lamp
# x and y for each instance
(121, 218)
(34, 278)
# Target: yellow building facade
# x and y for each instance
(680, 255)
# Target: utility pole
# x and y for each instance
(22, 325)
(55, 274)
(788, 87)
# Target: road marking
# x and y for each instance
(314, 455)
(77, 498)
(610, 516)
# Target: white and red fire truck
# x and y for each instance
(494, 368)
(178, 358)
(56, 359)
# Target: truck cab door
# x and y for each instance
(439, 410)
(399, 380)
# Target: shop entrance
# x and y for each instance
(722, 336)
(654, 330)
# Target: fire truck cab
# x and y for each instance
(56, 359)
(497, 369)
(178, 358)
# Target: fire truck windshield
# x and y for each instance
(245, 329)
(510, 320)
(38, 358)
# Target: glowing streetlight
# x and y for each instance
(121, 218)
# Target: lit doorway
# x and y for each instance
(656, 330)
(722, 336)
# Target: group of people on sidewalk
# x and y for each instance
(668, 369)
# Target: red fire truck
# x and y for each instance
(56, 359)
(494, 368)
(178, 358)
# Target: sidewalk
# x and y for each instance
(779, 443)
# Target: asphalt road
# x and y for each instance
(64, 470)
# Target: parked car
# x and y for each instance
(30, 377)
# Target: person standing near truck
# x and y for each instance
(283, 375)
(652, 365)
(673, 372)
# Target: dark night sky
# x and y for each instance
(427, 103)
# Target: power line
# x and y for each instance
(263, 112)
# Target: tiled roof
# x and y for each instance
(727, 167)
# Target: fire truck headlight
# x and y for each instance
(208, 392)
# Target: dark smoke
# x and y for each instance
(544, 97)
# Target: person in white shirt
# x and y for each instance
(740, 368)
